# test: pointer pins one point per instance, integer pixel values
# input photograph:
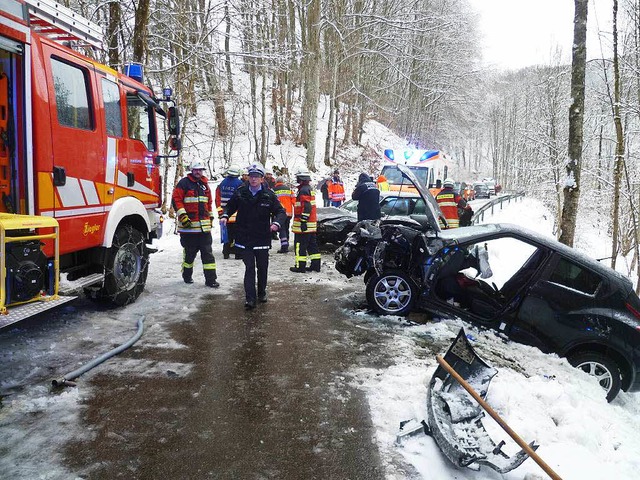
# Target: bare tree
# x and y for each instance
(571, 186)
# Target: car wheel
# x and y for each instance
(603, 368)
(392, 293)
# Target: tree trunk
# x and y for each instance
(571, 187)
(140, 31)
(619, 162)
(113, 29)
(227, 36)
(312, 81)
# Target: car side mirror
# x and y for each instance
(173, 121)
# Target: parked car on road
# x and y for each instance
(491, 185)
(527, 286)
(480, 190)
(334, 224)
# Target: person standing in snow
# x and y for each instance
(336, 189)
(452, 204)
(324, 189)
(255, 205)
(269, 180)
(287, 199)
(305, 226)
(191, 200)
(368, 197)
(224, 192)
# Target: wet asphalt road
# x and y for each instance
(269, 395)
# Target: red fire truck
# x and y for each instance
(79, 164)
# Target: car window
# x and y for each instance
(420, 207)
(395, 206)
(351, 205)
(574, 276)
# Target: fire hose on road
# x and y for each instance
(66, 380)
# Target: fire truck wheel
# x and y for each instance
(126, 266)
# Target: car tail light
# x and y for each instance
(635, 312)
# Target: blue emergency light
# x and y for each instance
(389, 154)
(134, 70)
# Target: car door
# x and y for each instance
(485, 280)
(561, 307)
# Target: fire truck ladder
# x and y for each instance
(60, 23)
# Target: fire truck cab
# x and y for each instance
(79, 164)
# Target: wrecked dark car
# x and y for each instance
(335, 223)
(527, 286)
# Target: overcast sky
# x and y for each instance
(519, 33)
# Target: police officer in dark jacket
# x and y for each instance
(256, 205)
(368, 196)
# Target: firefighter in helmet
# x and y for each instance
(304, 226)
(453, 206)
(192, 202)
(224, 192)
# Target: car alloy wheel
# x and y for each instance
(392, 293)
(603, 368)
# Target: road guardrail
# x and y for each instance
(478, 216)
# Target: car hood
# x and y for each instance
(433, 212)
(329, 213)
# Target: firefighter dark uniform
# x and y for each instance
(287, 199)
(305, 226)
(451, 204)
(256, 206)
(223, 193)
(192, 201)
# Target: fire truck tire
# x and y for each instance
(126, 266)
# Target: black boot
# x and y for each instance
(301, 267)
(250, 304)
(187, 274)
(315, 266)
(210, 279)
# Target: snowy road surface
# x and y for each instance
(210, 390)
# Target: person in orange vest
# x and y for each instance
(192, 201)
(336, 189)
(287, 199)
(451, 204)
(223, 193)
(304, 226)
(383, 184)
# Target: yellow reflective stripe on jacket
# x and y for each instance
(180, 211)
(196, 227)
(196, 199)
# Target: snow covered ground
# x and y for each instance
(540, 396)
